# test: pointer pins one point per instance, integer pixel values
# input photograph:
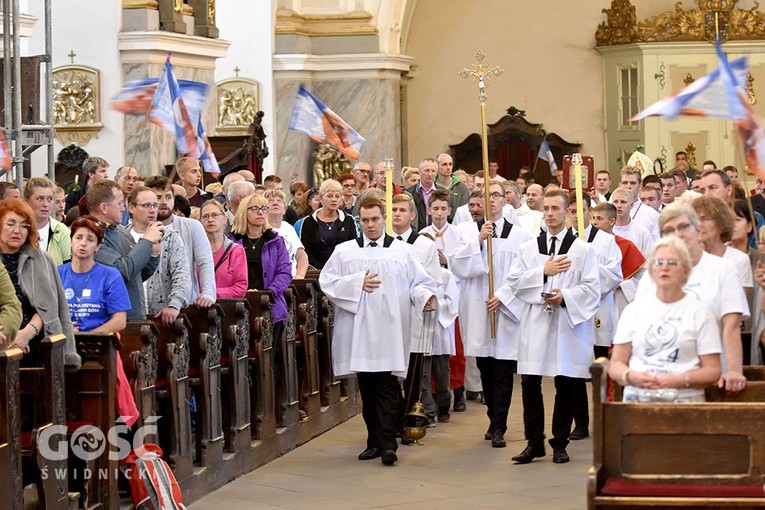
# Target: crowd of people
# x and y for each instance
(667, 278)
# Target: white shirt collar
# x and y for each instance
(379, 240)
(405, 235)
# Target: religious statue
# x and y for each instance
(237, 103)
(75, 95)
(328, 163)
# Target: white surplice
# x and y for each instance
(558, 342)
(609, 258)
(372, 329)
(469, 263)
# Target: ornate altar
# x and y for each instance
(242, 152)
(513, 143)
(76, 104)
(237, 102)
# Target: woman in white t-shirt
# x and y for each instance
(667, 345)
(716, 225)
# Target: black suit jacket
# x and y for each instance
(758, 203)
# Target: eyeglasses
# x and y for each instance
(22, 226)
(148, 205)
(255, 209)
(666, 262)
(680, 228)
(497, 195)
(214, 216)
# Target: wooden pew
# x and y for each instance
(172, 394)
(205, 348)
(305, 343)
(141, 361)
(44, 389)
(705, 455)
(287, 360)
(10, 430)
(262, 390)
(92, 402)
(236, 397)
(329, 386)
(754, 392)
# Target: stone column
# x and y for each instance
(142, 55)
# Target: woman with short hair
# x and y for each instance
(667, 344)
(328, 226)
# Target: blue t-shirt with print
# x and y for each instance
(93, 296)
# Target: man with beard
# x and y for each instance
(194, 238)
(169, 287)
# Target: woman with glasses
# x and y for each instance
(231, 277)
(712, 281)
(268, 264)
(44, 308)
(327, 227)
(667, 344)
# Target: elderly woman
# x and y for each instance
(268, 264)
(37, 284)
(716, 227)
(230, 261)
(327, 227)
(667, 345)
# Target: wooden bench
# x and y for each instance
(236, 397)
(262, 390)
(140, 359)
(173, 394)
(705, 455)
(305, 342)
(330, 387)
(287, 359)
(205, 341)
(10, 430)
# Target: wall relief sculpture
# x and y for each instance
(237, 102)
(621, 25)
(76, 104)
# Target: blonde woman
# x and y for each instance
(328, 226)
(410, 176)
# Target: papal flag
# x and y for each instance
(314, 118)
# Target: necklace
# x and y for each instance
(329, 224)
(254, 244)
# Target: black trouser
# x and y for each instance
(563, 410)
(380, 401)
(581, 406)
(497, 383)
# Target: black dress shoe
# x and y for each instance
(460, 407)
(369, 454)
(444, 418)
(529, 454)
(406, 440)
(498, 440)
(560, 456)
(488, 435)
(579, 433)
(388, 457)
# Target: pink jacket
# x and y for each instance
(231, 277)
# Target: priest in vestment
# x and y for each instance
(557, 340)
(375, 282)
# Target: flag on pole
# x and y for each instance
(720, 93)
(546, 154)
(209, 161)
(135, 99)
(168, 101)
(6, 160)
(312, 117)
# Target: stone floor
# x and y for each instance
(453, 469)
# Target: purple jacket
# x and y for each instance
(277, 270)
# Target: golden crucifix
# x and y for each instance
(481, 73)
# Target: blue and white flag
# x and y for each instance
(546, 154)
(207, 157)
(170, 112)
(312, 117)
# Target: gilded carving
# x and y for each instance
(688, 79)
(76, 104)
(621, 25)
(329, 163)
(177, 5)
(211, 11)
(237, 100)
(750, 88)
(690, 150)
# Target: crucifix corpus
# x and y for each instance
(481, 73)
